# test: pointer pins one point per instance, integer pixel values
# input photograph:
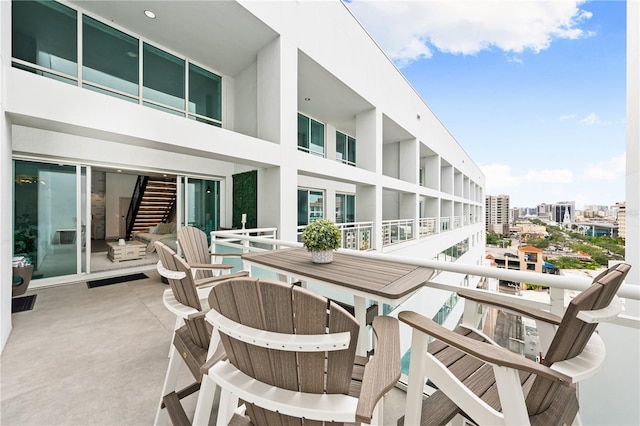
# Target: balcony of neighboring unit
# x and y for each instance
(399, 152)
(341, 123)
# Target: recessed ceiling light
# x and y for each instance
(132, 54)
(150, 14)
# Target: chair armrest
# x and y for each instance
(486, 352)
(382, 371)
(487, 298)
(196, 315)
(217, 356)
(211, 266)
(208, 282)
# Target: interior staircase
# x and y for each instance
(152, 203)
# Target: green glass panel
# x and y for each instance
(45, 217)
(45, 33)
(317, 137)
(340, 206)
(205, 92)
(303, 132)
(351, 150)
(341, 146)
(109, 57)
(163, 77)
(203, 209)
(316, 205)
(351, 208)
(303, 207)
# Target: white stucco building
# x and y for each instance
(95, 94)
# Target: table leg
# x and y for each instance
(360, 311)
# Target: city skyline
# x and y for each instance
(534, 91)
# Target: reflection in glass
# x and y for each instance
(109, 57)
(205, 93)
(203, 205)
(163, 77)
(45, 33)
(45, 217)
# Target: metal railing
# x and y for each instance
(355, 235)
(397, 231)
(426, 226)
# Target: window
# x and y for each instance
(163, 78)
(45, 41)
(310, 206)
(205, 94)
(109, 57)
(345, 149)
(310, 135)
(45, 34)
(345, 208)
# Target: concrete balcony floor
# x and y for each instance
(96, 357)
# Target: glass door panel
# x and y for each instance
(46, 212)
(202, 205)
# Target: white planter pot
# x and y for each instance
(322, 256)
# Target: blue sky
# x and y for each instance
(534, 91)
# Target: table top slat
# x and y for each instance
(391, 280)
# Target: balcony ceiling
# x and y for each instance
(220, 35)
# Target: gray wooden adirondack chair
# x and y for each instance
(292, 356)
(202, 261)
(191, 338)
(491, 385)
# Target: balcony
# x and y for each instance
(107, 346)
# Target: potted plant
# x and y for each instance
(321, 237)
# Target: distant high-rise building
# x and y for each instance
(497, 214)
(562, 208)
(544, 211)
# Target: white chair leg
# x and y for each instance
(170, 380)
(204, 404)
(226, 408)
(577, 421)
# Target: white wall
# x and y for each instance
(6, 183)
(118, 185)
(622, 369)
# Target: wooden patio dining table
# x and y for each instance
(384, 282)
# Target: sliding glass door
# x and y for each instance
(201, 201)
(49, 217)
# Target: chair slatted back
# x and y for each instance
(573, 334)
(279, 307)
(185, 292)
(195, 248)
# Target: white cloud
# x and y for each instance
(567, 117)
(606, 170)
(592, 119)
(500, 177)
(410, 30)
(548, 176)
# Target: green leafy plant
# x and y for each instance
(321, 235)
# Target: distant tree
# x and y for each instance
(493, 238)
(540, 243)
(565, 262)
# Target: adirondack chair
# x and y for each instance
(491, 385)
(192, 343)
(292, 355)
(202, 261)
